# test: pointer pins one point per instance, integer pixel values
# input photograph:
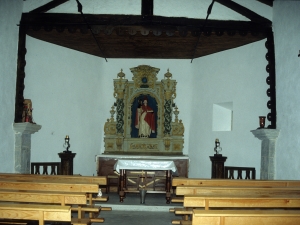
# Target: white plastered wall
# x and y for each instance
(10, 12)
(287, 42)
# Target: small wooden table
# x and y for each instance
(122, 166)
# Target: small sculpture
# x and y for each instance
(67, 144)
(27, 111)
(217, 148)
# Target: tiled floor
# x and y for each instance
(155, 211)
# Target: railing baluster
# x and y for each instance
(55, 168)
(249, 171)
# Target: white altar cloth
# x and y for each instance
(139, 164)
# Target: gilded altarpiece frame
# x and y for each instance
(121, 136)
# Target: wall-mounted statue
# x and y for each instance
(144, 109)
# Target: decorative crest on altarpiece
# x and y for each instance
(144, 111)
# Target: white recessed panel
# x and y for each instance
(222, 116)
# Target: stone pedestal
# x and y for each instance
(268, 146)
(217, 166)
(23, 133)
(67, 162)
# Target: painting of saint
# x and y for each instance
(144, 118)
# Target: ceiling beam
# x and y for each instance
(48, 6)
(147, 8)
(267, 2)
(254, 17)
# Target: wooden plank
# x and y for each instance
(246, 217)
(234, 201)
(63, 198)
(100, 180)
(182, 181)
(48, 186)
(35, 212)
(191, 190)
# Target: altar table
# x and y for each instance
(123, 165)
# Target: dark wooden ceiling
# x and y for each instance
(128, 36)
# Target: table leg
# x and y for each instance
(168, 186)
(122, 185)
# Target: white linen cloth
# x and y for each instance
(131, 164)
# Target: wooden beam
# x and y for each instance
(254, 17)
(267, 2)
(147, 8)
(48, 6)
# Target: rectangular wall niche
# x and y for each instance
(222, 116)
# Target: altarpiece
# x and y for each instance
(144, 117)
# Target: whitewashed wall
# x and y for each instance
(287, 42)
(236, 76)
(10, 12)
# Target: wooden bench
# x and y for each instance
(183, 181)
(58, 187)
(246, 217)
(191, 190)
(245, 201)
(280, 188)
(100, 180)
(196, 182)
(38, 212)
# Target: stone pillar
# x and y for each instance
(23, 133)
(268, 146)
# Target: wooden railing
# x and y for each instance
(231, 171)
(54, 168)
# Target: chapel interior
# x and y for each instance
(220, 59)
(195, 89)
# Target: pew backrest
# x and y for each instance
(38, 212)
(182, 181)
(100, 180)
(194, 190)
(63, 198)
(6, 184)
(233, 201)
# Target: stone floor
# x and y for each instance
(154, 211)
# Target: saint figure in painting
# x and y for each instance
(145, 119)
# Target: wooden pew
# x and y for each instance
(191, 190)
(62, 198)
(226, 191)
(183, 181)
(197, 182)
(233, 201)
(246, 217)
(58, 187)
(38, 212)
(100, 180)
